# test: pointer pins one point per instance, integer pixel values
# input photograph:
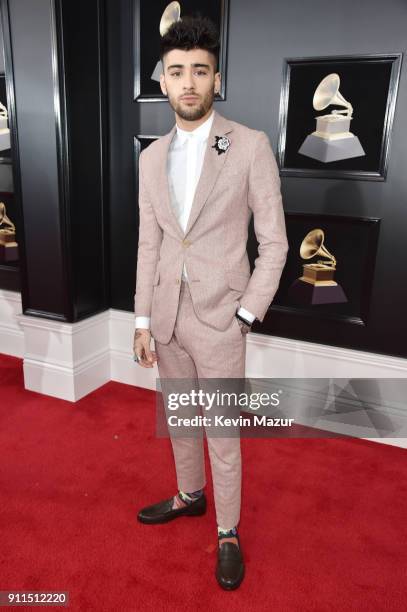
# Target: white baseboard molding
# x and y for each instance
(276, 357)
(66, 360)
(11, 333)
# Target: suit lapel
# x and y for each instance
(162, 178)
(212, 165)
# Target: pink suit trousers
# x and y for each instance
(197, 351)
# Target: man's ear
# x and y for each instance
(162, 84)
(217, 82)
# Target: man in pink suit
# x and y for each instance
(198, 187)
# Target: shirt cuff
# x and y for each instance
(142, 322)
(246, 314)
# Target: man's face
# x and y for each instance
(190, 73)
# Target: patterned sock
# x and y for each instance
(184, 499)
(227, 535)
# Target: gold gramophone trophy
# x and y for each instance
(171, 14)
(332, 140)
(317, 284)
(8, 244)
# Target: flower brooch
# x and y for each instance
(222, 144)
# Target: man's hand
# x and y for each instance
(141, 348)
(244, 328)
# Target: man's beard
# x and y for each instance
(194, 112)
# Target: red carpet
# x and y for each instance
(323, 524)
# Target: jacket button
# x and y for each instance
(177, 281)
(186, 243)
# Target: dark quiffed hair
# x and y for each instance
(192, 33)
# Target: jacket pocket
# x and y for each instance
(238, 281)
(156, 280)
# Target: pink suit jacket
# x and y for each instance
(233, 185)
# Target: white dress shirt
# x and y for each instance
(184, 164)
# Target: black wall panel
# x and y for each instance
(261, 35)
(58, 52)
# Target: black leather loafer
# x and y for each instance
(162, 511)
(230, 567)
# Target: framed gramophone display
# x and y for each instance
(336, 116)
(6, 173)
(317, 284)
(330, 267)
(10, 194)
(151, 21)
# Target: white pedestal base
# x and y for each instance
(331, 150)
(66, 360)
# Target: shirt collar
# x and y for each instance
(200, 133)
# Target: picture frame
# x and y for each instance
(366, 87)
(6, 184)
(353, 241)
(146, 19)
(140, 142)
